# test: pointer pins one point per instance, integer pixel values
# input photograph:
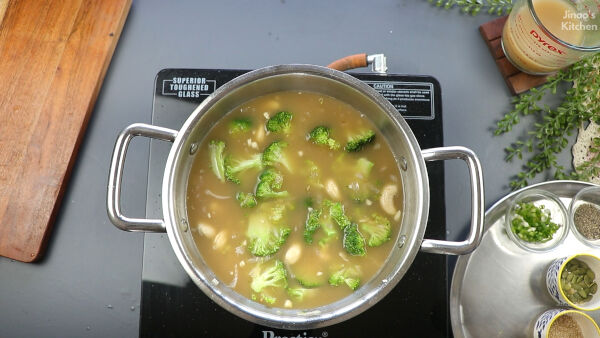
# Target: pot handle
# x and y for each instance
(477, 202)
(115, 176)
(377, 62)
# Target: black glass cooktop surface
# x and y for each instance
(173, 306)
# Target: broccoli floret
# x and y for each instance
(266, 242)
(354, 243)
(231, 176)
(255, 161)
(309, 284)
(240, 125)
(378, 229)
(265, 232)
(216, 150)
(275, 211)
(355, 143)
(265, 239)
(312, 224)
(268, 183)
(267, 299)
(327, 226)
(274, 154)
(280, 122)
(308, 275)
(358, 187)
(337, 214)
(326, 219)
(348, 276)
(232, 167)
(336, 211)
(320, 135)
(363, 167)
(360, 191)
(298, 294)
(330, 233)
(274, 276)
(329, 229)
(247, 200)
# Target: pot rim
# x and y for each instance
(286, 318)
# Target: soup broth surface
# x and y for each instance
(316, 177)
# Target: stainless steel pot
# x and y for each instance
(409, 157)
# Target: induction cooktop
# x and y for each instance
(173, 306)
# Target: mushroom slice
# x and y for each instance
(332, 189)
(206, 230)
(292, 255)
(220, 240)
(387, 199)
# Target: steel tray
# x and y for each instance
(499, 289)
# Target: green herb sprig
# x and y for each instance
(549, 137)
(474, 7)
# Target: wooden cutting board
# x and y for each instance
(53, 58)
(517, 81)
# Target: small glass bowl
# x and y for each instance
(558, 213)
(589, 195)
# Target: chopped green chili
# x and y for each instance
(533, 224)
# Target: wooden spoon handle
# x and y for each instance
(349, 62)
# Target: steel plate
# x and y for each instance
(499, 289)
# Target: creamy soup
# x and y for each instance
(294, 199)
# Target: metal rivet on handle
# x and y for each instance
(403, 163)
(183, 224)
(193, 148)
(401, 241)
